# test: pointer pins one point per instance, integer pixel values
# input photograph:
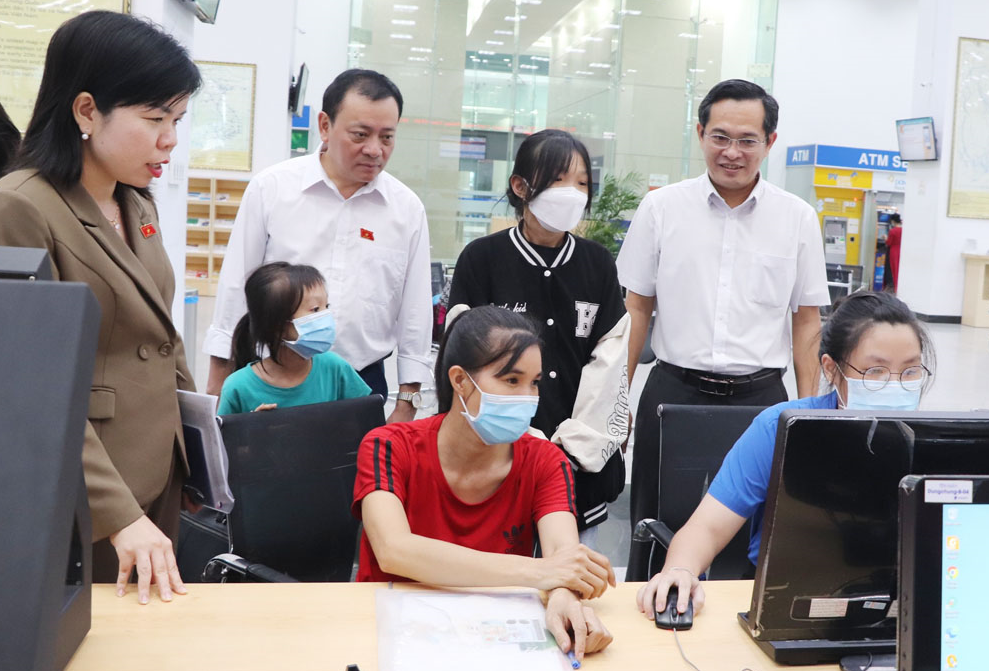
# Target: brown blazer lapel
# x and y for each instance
(86, 210)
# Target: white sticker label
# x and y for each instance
(874, 605)
(947, 491)
(828, 608)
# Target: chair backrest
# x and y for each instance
(672, 472)
(292, 475)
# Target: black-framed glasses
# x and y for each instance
(745, 144)
(877, 377)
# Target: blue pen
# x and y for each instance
(573, 660)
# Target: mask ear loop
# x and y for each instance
(841, 402)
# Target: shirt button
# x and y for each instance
(165, 349)
(549, 322)
(143, 352)
(552, 374)
(547, 273)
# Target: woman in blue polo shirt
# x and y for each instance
(875, 355)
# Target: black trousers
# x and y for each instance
(374, 376)
(664, 387)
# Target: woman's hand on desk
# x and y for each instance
(141, 544)
(566, 616)
(578, 568)
(653, 594)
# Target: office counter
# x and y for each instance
(325, 626)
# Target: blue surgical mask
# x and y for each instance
(500, 418)
(891, 397)
(317, 331)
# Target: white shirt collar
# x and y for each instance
(711, 193)
(316, 173)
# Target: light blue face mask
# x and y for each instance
(894, 396)
(317, 332)
(500, 418)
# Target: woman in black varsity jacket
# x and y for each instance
(570, 286)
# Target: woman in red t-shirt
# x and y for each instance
(456, 499)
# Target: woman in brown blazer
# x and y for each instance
(113, 89)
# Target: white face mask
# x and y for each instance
(559, 209)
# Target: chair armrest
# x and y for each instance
(229, 562)
(653, 530)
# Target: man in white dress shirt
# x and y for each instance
(731, 264)
(363, 229)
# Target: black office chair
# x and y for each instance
(292, 475)
(670, 475)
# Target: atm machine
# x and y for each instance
(835, 232)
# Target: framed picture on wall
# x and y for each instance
(222, 136)
(968, 190)
(25, 31)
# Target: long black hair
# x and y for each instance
(10, 139)
(117, 58)
(479, 337)
(851, 316)
(274, 292)
(543, 157)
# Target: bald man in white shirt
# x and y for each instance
(733, 266)
(363, 229)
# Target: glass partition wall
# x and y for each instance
(478, 76)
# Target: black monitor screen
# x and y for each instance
(827, 567)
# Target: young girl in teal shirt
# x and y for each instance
(287, 315)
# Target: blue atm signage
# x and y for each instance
(854, 158)
(801, 155)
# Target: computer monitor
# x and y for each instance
(205, 10)
(24, 263)
(49, 335)
(825, 583)
(943, 582)
(916, 139)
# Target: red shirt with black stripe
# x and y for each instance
(404, 459)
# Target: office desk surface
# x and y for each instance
(326, 626)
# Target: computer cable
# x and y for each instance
(689, 663)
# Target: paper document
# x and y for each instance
(204, 448)
(454, 631)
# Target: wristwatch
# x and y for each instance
(413, 397)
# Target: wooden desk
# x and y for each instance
(327, 626)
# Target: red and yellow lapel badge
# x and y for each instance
(367, 235)
(147, 230)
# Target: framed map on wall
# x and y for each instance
(968, 191)
(25, 30)
(222, 135)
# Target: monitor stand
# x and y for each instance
(818, 650)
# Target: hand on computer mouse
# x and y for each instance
(671, 617)
(652, 595)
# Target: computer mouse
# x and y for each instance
(670, 617)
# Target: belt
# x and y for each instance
(717, 384)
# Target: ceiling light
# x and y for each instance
(495, 43)
(576, 50)
(400, 36)
(520, 17)
(503, 32)
(483, 52)
(403, 22)
(690, 36)
(406, 9)
(604, 66)
(630, 12)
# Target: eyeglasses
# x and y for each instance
(876, 377)
(745, 144)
